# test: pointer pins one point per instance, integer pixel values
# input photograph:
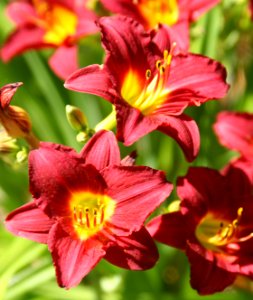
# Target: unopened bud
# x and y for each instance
(76, 118)
(16, 121)
(7, 92)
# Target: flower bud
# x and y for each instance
(76, 118)
(16, 121)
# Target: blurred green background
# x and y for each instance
(26, 270)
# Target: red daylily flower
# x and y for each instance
(49, 23)
(235, 131)
(213, 227)
(149, 84)
(86, 208)
(174, 14)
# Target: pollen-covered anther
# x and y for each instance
(148, 74)
(226, 233)
(88, 218)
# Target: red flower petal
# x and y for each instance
(93, 79)
(20, 12)
(30, 222)
(73, 259)
(86, 21)
(24, 38)
(198, 7)
(235, 131)
(131, 124)
(128, 47)
(166, 36)
(102, 150)
(64, 61)
(201, 189)
(203, 77)
(184, 130)
(173, 229)
(207, 277)
(244, 164)
(135, 252)
(134, 201)
(56, 172)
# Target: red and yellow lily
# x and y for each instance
(85, 207)
(56, 24)
(149, 83)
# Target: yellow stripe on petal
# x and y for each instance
(90, 212)
(149, 94)
(158, 11)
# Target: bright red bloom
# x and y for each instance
(90, 206)
(149, 84)
(49, 23)
(214, 227)
(177, 14)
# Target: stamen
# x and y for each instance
(95, 217)
(87, 217)
(80, 216)
(102, 216)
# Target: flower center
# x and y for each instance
(158, 11)
(153, 94)
(90, 213)
(58, 21)
(213, 233)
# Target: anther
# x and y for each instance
(158, 64)
(148, 74)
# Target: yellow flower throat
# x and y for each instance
(154, 93)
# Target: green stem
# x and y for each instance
(108, 123)
(51, 94)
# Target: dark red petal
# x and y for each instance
(20, 12)
(173, 229)
(184, 130)
(30, 222)
(73, 259)
(94, 79)
(132, 124)
(64, 61)
(102, 150)
(166, 36)
(235, 131)
(24, 38)
(135, 252)
(244, 164)
(203, 77)
(138, 191)
(209, 273)
(202, 189)
(55, 173)
(128, 48)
